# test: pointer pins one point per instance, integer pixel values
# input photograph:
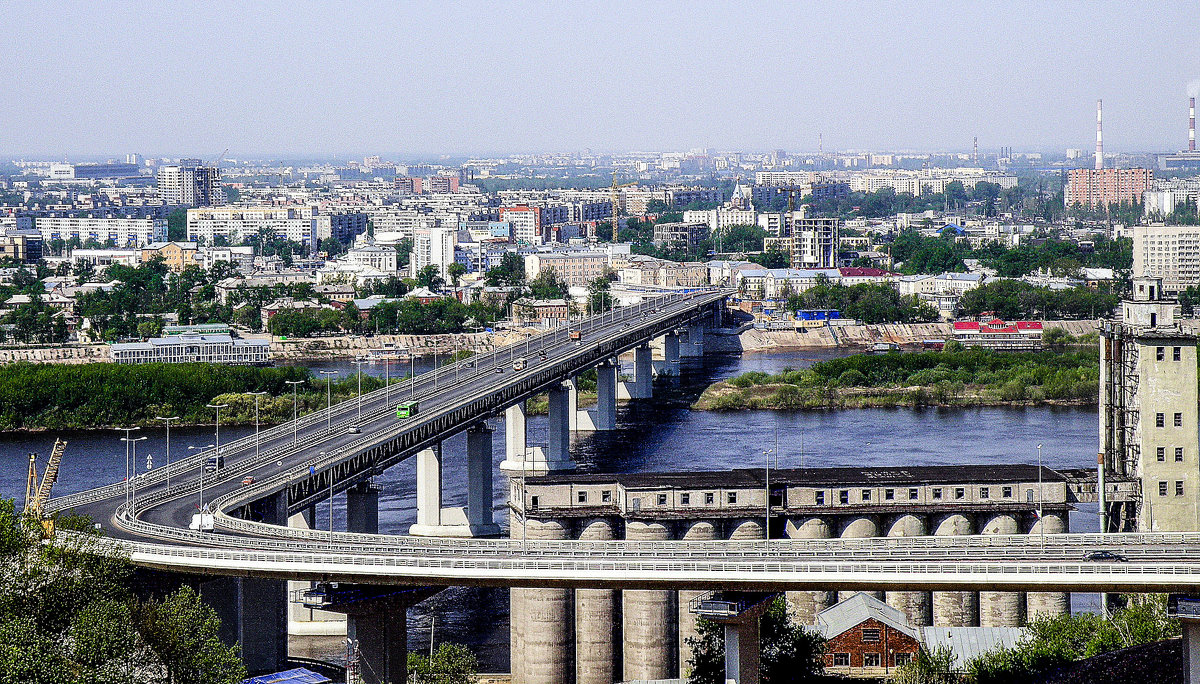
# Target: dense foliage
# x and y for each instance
(106, 394)
(1056, 641)
(915, 253)
(867, 302)
(1015, 299)
(789, 652)
(68, 616)
(450, 664)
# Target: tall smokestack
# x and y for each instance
(975, 154)
(1191, 124)
(1099, 135)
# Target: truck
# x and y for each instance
(519, 364)
(214, 463)
(575, 335)
(407, 409)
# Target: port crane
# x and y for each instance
(37, 493)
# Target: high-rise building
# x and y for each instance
(432, 246)
(526, 224)
(1102, 187)
(443, 184)
(1170, 253)
(811, 242)
(191, 183)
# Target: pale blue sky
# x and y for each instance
(403, 79)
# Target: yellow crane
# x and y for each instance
(37, 493)
(616, 202)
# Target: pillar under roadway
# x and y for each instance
(362, 509)
(304, 621)
(594, 620)
(670, 364)
(1001, 608)
(382, 645)
(515, 447)
(954, 608)
(647, 616)
(694, 345)
(605, 417)
(253, 616)
(803, 606)
(480, 521)
(545, 636)
(1050, 603)
(694, 530)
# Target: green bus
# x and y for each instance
(406, 410)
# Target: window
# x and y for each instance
(1158, 354)
(1178, 420)
(820, 498)
(662, 499)
(1007, 491)
(870, 660)
(1162, 488)
(959, 492)
(708, 498)
(902, 658)
(913, 494)
(983, 492)
(685, 499)
(889, 494)
(1161, 454)
(870, 635)
(582, 496)
(1179, 454)
(1160, 420)
(841, 660)
(533, 500)
(731, 498)
(1178, 487)
(937, 492)
(866, 495)
(1175, 354)
(606, 496)
(844, 496)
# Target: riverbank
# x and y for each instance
(975, 377)
(857, 336)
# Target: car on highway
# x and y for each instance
(354, 430)
(247, 481)
(1104, 557)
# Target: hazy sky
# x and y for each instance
(404, 79)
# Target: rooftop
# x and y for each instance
(755, 477)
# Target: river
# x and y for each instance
(666, 436)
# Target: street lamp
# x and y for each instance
(767, 516)
(256, 396)
(201, 448)
(128, 431)
(295, 413)
(167, 420)
(328, 399)
(359, 362)
(130, 484)
(217, 434)
(1041, 521)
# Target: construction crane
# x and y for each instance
(616, 202)
(38, 493)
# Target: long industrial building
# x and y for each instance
(193, 349)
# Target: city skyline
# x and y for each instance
(474, 79)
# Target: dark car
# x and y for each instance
(1105, 556)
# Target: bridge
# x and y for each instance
(297, 464)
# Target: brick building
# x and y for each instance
(1102, 187)
(866, 637)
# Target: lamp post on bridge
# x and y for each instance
(767, 516)
(1041, 521)
(328, 398)
(200, 507)
(256, 397)
(168, 420)
(295, 411)
(132, 486)
(358, 365)
(128, 431)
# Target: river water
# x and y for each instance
(665, 436)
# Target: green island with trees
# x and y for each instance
(951, 377)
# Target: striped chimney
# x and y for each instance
(1099, 135)
(1191, 124)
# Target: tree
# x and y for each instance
(599, 298)
(451, 664)
(790, 653)
(331, 246)
(936, 667)
(177, 225)
(510, 272)
(456, 271)
(430, 277)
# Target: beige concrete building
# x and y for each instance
(1171, 253)
(576, 269)
(176, 255)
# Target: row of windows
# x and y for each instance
(870, 659)
(914, 494)
(1162, 487)
(1161, 453)
(1160, 354)
(685, 499)
(1160, 420)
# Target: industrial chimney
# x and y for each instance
(1099, 136)
(1191, 124)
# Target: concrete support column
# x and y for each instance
(742, 652)
(693, 530)
(954, 608)
(253, 615)
(362, 509)
(382, 645)
(643, 373)
(914, 604)
(514, 438)
(429, 491)
(1001, 608)
(594, 620)
(479, 481)
(306, 621)
(571, 385)
(606, 397)
(694, 346)
(271, 509)
(670, 354)
(558, 450)
(647, 616)
(804, 605)
(1051, 603)
(546, 636)
(859, 527)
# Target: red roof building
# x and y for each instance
(997, 334)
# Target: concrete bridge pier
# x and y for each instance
(1001, 608)
(382, 638)
(594, 620)
(670, 363)
(647, 616)
(429, 493)
(307, 621)
(544, 637)
(693, 530)
(479, 481)
(606, 396)
(859, 527)
(515, 447)
(362, 509)
(254, 616)
(914, 604)
(804, 605)
(642, 386)
(1051, 603)
(693, 346)
(954, 608)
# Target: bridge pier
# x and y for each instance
(646, 617)
(605, 417)
(303, 621)
(515, 446)
(253, 615)
(362, 509)
(670, 362)
(479, 481)
(695, 530)
(642, 386)
(382, 637)
(694, 345)
(594, 620)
